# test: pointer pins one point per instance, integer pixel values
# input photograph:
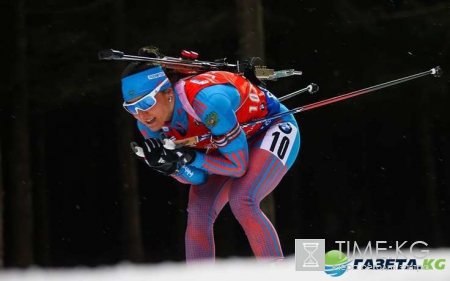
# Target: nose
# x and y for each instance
(141, 114)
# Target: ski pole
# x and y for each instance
(312, 88)
(436, 72)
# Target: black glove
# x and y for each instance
(181, 154)
(155, 152)
(163, 154)
(150, 156)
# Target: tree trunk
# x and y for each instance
(251, 44)
(250, 28)
(41, 200)
(430, 180)
(129, 194)
(19, 156)
(1, 209)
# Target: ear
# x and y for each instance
(170, 92)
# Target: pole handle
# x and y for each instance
(437, 71)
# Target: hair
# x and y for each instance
(139, 66)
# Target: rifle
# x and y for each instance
(189, 64)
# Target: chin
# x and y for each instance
(155, 127)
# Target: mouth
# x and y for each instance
(150, 120)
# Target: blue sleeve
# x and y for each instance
(216, 107)
(190, 175)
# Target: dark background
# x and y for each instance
(374, 167)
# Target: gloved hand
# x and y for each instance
(157, 153)
(181, 154)
(149, 155)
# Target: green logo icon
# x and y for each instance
(335, 263)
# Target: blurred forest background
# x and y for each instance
(375, 167)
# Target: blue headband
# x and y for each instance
(143, 82)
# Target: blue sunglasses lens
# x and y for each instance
(144, 104)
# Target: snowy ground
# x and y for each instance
(238, 269)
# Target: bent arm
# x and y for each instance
(216, 105)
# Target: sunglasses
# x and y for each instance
(146, 102)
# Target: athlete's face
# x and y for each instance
(161, 112)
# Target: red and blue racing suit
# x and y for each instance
(236, 165)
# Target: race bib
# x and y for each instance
(279, 140)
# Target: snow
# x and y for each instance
(227, 269)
